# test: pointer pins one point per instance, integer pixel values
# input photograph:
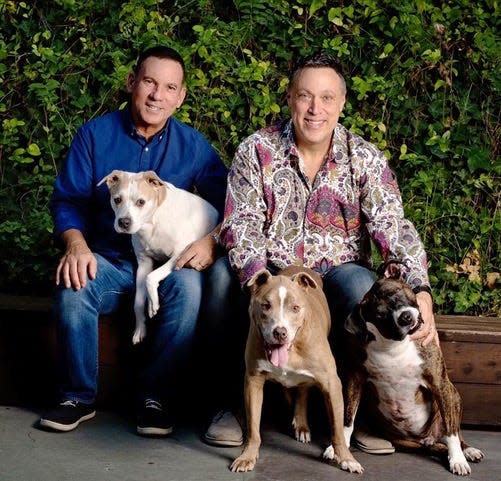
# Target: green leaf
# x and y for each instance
(33, 149)
(316, 5)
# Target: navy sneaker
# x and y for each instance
(153, 420)
(68, 415)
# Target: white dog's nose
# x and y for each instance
(124, 222)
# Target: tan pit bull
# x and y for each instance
(410, 399)
(287, 343)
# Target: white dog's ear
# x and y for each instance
(258, 279)
(152, 178)
(111, 179)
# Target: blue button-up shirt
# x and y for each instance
(179, 154)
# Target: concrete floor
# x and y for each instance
(106, 448)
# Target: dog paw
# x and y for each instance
(473, 454)
(302, 435)
(152, 294)
(459, 467)
(301, 432)
(329, 453)
(153, 305)
(139, 334)
(351, 465)
(242, 465)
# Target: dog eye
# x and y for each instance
(296, 308)
(140, 202)
(117, 200)
(265, 306)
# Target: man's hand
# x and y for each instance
(78, 262)
(199, 255)
(428, 331)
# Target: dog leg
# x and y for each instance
(457, 460)
(153, 280)
(338, 450)
(253, 405)
(145, 266)
(300, 420)
(352, 393)
(450, 407)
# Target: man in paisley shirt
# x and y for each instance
(307, 191)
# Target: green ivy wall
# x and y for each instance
(424, 85)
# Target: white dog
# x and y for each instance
(163, 221)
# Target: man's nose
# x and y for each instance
(314, 103)
(157, 92)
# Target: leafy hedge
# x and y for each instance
(423, 76)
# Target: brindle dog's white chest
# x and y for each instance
(396, 369)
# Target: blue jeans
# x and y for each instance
(345, 286)
(226, 320)
(170, 333)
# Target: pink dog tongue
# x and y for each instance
(279, 355)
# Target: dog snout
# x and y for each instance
(280, 334)
(405, 319)
(124, 222)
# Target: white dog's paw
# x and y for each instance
(139, 334)
(473, 454)
(459, 466)
(153, 302)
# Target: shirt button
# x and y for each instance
(146, 148)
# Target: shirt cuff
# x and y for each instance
(419, 289)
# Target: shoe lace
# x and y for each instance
(69, 402)
(152, 404)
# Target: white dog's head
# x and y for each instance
(134, 197)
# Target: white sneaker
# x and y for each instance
(225, 430)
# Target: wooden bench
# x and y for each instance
(472, 352)
(28, 363)
(28, 354)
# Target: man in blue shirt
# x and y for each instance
(96, 273)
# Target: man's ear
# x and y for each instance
(182, 96)
(131, 78)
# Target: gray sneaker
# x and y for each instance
(371, 444)
(225, 430)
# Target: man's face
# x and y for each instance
(156, 92)
(315, 98)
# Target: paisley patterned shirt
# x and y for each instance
(276, 216)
